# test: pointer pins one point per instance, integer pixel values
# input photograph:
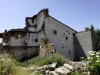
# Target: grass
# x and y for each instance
(76, 73)
(16, 70)
(39, 61)
(37, 73)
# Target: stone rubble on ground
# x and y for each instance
(52, 73)
(68, 66)
(52, 70)
(66, 69)
(80, 66)
(47, 67)
(62, 70)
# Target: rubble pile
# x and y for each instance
(66, 69)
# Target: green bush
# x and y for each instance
(5, 65)
(10, 66)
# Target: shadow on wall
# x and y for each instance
(79, 52)
(95, 41)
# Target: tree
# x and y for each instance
(92, 28)
(97, 31)
(87, 29)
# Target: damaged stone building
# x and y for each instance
(26, 42)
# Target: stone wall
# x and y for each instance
(82, 44)
(22, 53)
(85, 42)
(95, 40)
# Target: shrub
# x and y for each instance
(5, 64)
(9, 66)
(94, 62)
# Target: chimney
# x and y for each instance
(46, 12)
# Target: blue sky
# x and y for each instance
(77, 14)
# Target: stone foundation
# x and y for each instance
(23, 53)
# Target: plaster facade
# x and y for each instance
(62, 39)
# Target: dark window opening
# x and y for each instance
(36, 40)
(66, 38)
(69, 52)
(62, 47)
(68, 33)
(35, 26)
(43, 25)
(25, 43)
(54, 32)
(73, 33)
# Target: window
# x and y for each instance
(54, 32)
(66, 38)
(69, 52)
(73, 33)
(62, 47)
(36, 40)
(25, 44)
(68, 33)
(35, 26)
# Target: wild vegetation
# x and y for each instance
(10, 66)
(46, 60)
(94, 62)
(92, 28)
